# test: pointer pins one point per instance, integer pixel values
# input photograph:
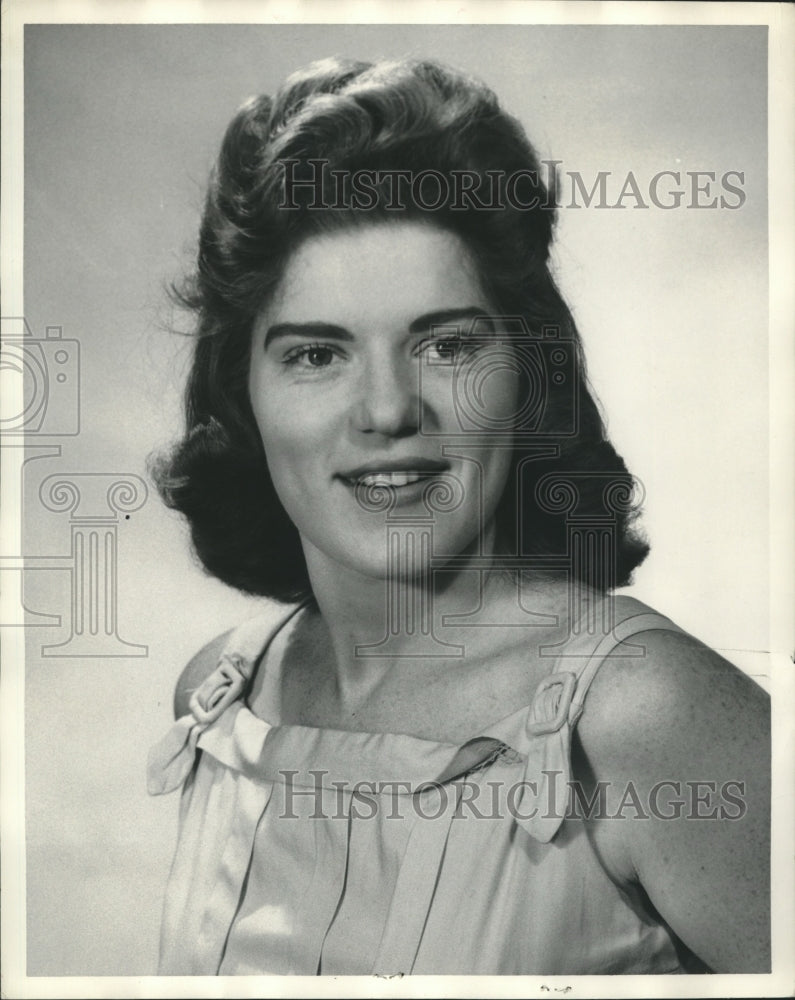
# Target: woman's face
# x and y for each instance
(355, 367)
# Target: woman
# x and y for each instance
(389, 429)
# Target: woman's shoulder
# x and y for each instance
(247, 642)
(663, 683)
(674, 737)
(666, 712)
(661, 687)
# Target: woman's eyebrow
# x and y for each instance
(447, 317)
(327, 331)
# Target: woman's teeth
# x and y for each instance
(390, 478)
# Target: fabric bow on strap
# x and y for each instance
(541, 805)
(171, 760)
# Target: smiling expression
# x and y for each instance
(353, 386)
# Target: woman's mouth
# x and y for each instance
(395, 479)
(406, 483)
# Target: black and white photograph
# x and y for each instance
(397, 514)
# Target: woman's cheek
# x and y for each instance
(296, 445)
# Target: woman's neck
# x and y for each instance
(372, 626)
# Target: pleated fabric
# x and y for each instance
(315, 851)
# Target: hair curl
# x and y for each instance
(407, 115)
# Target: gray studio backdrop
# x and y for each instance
(121, 124)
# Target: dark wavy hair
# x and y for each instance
(410, 116)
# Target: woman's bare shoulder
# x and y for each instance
(678, 738)
(666, 685)
(663, 704)
(196, 670)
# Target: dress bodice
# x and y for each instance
(308, 850)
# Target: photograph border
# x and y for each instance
(780, 19)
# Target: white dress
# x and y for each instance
(318, 851)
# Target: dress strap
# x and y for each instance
(252, 637)
(171, 759)
(557, 706)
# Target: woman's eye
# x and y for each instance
(310, 356)
(445, 350)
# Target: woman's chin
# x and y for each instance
(409, 555)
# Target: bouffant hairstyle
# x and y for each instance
(340, 119)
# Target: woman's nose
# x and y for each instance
(388, 400)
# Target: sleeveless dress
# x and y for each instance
(317, 851)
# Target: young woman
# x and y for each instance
(454, 751)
